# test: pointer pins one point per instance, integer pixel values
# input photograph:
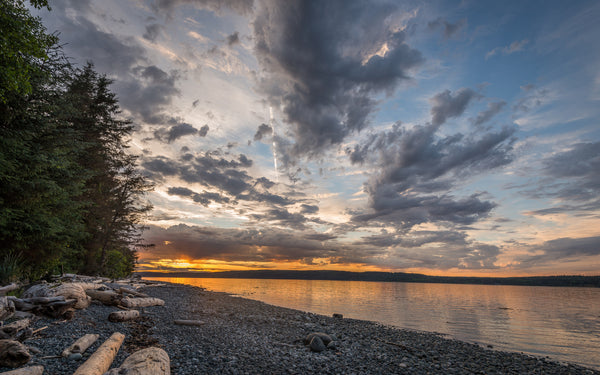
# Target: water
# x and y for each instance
(561, 323)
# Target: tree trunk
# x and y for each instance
(9, 331)
(67, 290)
(107, 297)
(121, 316)
(7, 308)
(8, 288)
(81, 345)
(102, 358)
(149, 361)
(13, 353)
(141, 302)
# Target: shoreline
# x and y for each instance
(244, 336)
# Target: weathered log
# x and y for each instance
(107, 297)
(122, 316)
(189, 322)
(13, 353)
(8, 288)
(132, 292)
(7, 308)
(9, 331)
(100, 361)
(43, 300)
(67, 290)
(21, 305)
(81, 345)
(32, 370)
(141, 302)
(149, 361)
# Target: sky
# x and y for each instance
(439, 137)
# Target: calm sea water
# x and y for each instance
(561, 323)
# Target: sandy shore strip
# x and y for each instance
(242, 336)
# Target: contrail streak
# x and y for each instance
(272, 125)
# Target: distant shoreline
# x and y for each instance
(563, 281)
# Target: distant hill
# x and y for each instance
(573, 281)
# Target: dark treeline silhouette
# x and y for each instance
(581, 281)
(71, 198)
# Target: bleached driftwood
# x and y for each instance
(13, 353)
(107, 297)
(67, 290)
(7, 308)
(122, 316)
(141, 302)
(81, 345)
(100, 361)
(9, 331)
(8, 288)
(32, 370)
(189, 322)
(149, 361)
(132, 292)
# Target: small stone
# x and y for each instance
(332, 345)
(323, 336)
(338, 316)
(403, 365)
(75, 357)
(317, 345)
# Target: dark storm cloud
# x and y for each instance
(445, 105)
(204, 198)
(152, 32)
(492, 109)
(309, 209)
(320, 64)
(233, 39)
(560, 249)
(449, 29)
(572, 178)
(263, 130)
(416, 170)
(282, 217)
(174, 132)
(167, 7)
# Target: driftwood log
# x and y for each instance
(13, 353)
(7, 308)
(8, 288)
(132, 292)
(107, 297)
(33, 370)
(189, 322)
(81, 345)
(122, 316)
(100, 361)
(67, 290)
(9, 331)
(141, 302)
(149, 361)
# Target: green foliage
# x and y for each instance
(70, 192)
(11, 267)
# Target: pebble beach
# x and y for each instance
(242, 336)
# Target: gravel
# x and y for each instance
(242, 336)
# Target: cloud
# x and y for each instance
(174, 132)
(167, 7)
(415, 170)
(446, 105)
(203, 130)
(204, 198)
(233, 39)
(516, 46)
(559, 249)
(323, 62)
(152, 32)
(493, 108)
(263, 130)
(449, 29)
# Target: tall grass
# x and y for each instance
(11, 267)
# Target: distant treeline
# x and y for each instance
(70, 193)
(581, 281)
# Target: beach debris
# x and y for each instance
(319, 341)
(141, 302)
(32, 370)
(317, 345)
(132, 292)
(8, 288)
(67, 290)
(338, 316)
(122, 316)
(106, 297)
(10, 331)
(323, 336)
(7, 308)
(80, 345)
(13, 354)
(100, 361)
(149, 361)
(55, 307)
(189, 322)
